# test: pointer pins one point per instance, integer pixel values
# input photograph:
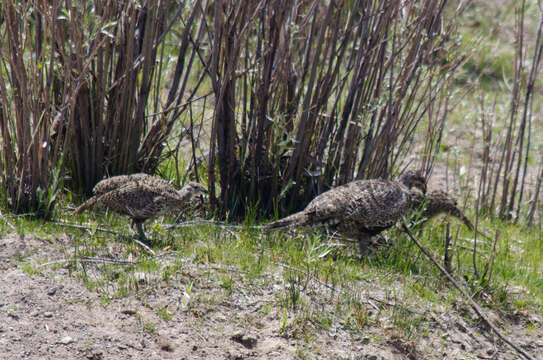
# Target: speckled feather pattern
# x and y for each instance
(439, 202)
(140, 196)
(366, 206)
(141, 201)
(358, 208)
(116, 182)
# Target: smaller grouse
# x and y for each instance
(140, 197)
(116, 182)
(360, 209)
(439, 202)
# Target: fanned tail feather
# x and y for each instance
(459, 214)
(87, 204)
(462, 217)
(469, 224)
(289, 221)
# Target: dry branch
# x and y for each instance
(472, 302)
(88, 228)
(310, 95)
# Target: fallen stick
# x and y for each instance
(92, 260)
(88, 228)
(472, 302)
(12, 227)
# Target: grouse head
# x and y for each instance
(194, 188)
(413, 180)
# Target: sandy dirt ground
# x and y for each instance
(51, 314)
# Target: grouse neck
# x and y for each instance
(185, 193)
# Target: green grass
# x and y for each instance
(164, 313)
(518, 260)
(239, 260)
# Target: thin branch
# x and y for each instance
(88, 228)
(92, 260)
(11, 226)
(472, 302)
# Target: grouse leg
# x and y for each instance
(141, 233)
(363, 243)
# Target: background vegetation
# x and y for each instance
(280, 100)
(304, 95)
(270, 103)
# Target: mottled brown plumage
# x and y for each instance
(439, 202)
(115, 182)
(360, 209)
(140, 197)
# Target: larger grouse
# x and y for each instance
(362, 208)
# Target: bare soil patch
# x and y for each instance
(51, 314)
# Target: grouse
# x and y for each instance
(115, 182)
(140, 197)
(439, 202)
(360, 209)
